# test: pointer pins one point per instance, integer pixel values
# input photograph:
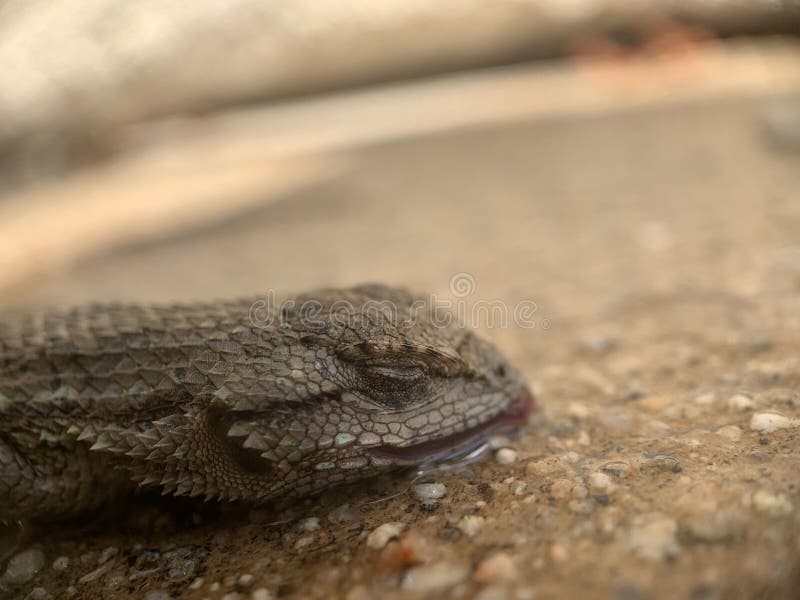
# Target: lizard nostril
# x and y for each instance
(500, 370)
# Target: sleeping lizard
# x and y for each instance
(227, 400)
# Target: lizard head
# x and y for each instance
(377, 378)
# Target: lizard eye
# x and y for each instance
(392, 386)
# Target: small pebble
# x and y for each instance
(196, 584)
(496, 568)
(430, 491)
(599, 482)
(24, 566)
(344, 514)
(304, 542)
(380, 536)
(772, 505)
(617, 468)
(770, 421)
(740, 402)
(560, 489)
(663, 463)
(61, 564)
(261, 594)
(732, 432)
(435, 577)
(308, 525)
(579, 492)
(506, 456)
(232, 596)
(157, 595)
(244, 582)
(470, 525)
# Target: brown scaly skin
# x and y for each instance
(210, 400)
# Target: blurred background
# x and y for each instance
(161, 151)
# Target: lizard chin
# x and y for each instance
(507, 422)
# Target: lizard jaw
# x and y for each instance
(508, 420)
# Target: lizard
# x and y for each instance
(237, 400)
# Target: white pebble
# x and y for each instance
(599, 482)
(430, 491)
(506, 456)
(197, 583)
(304, 542)
(769, 421)
(61, 563)
(245, 582)
(381, 535)
(308, 524)
(471, 525)
(261, 594)
(732, 432)
(740, 402)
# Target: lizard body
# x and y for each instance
(226, 400)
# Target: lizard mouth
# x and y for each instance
(508, 421)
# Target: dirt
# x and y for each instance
(662, 251)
